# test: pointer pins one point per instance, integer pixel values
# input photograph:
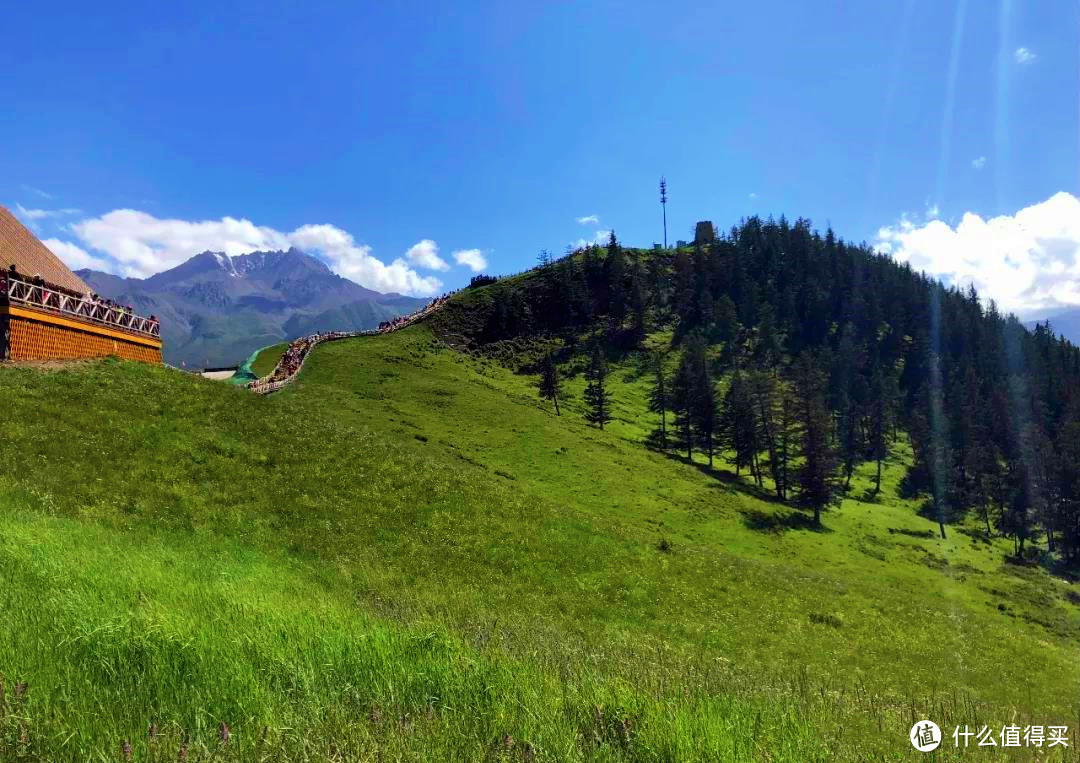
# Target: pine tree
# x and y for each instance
(704, 311)
(881, 397)
(683, 302)
(786, 433)
(707, 415)
(682, 405)
(727, 321)
(773, 409)
(966, 431)
(937, 456)
(1016, 519)
(703, 410)
(987, 482)
(579, 299)
(638, 301)
(818, 485)
(660, 397)
(739, 425)
(771, 340)
(509, 316)
(615, 278)
(598, 405)
(550, 384)
(1068, 481)
(658, 283)
(848, 396)
(592, 272)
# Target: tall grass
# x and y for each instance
(406, 557)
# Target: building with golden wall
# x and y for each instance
(47, 312)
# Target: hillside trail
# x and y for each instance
(292, 360)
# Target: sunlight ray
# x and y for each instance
(1001, 105)
(888, 109)
(950, 100)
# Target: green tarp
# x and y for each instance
(244, 374)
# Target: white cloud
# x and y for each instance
(600, 237)
(978, 163)
(1024, 56)
(37, 191)
(33, 217)
(933, 212)
(139, 244)
(1029, 262)
(355, 261)
(471, 258)
(425, 254)
(30, 214)
(752, 195)
(73, 256)
(143, 244)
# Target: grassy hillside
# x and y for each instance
(267, 359)
(405, 556)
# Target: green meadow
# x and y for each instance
(267, 358)
(406, 555)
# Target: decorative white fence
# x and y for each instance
(19, 292)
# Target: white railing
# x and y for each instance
(19, 292)
(265, 388)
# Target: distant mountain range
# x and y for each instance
(1066, 323)
(216, 310)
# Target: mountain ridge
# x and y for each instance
(1065, 322)
(215, 309)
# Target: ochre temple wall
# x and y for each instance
(60, 339)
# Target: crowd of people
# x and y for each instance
(293, 358)
(404, 320)
(297, 350)
(35, 290)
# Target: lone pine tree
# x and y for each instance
(597, 403)
(550, 384)
(660, 398)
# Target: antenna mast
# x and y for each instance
(663, 203)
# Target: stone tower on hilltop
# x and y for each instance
(704, 232)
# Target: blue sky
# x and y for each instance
(364, 130)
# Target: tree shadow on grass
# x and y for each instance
(1069, 571)
(1036, 557)
(725, 477)
(951, 516)
(870, 495)
(783, 519)
(780, 521)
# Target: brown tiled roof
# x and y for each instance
(18, 245)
